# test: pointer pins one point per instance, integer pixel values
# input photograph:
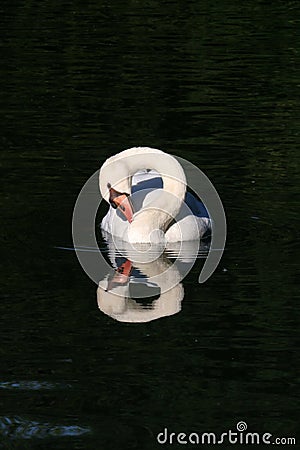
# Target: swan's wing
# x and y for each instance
(151, 180)
(196, 206)
(191, 223)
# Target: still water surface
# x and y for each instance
(212, 82)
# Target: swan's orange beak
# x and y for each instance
(122, 202)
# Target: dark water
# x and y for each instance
(215, 83)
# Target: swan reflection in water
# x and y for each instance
(146, 284)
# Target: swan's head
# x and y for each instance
(114, 174)
(115, 186)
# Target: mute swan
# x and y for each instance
(146, 190)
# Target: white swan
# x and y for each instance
(146, 189)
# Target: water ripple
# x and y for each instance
(19, 428)
(33, 385)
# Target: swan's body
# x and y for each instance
(163, 210)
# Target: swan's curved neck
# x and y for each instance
(119, 170)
